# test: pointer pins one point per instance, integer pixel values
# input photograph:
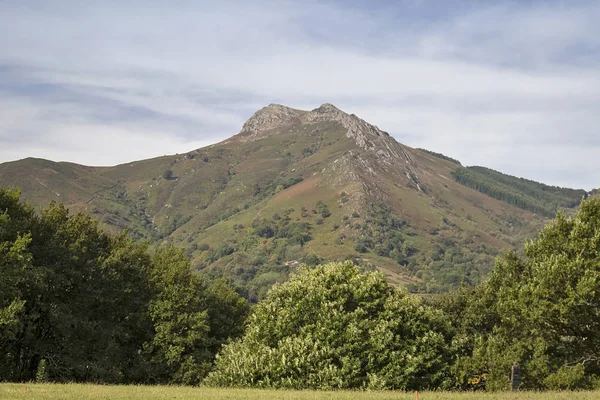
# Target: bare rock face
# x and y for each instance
(366, 136)
(267, 118)
(388, 153)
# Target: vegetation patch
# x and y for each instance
(523, 193)
(440, 155)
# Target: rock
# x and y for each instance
(267, 118)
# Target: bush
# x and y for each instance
(322, 209)
(335, 327)
(203, 247)
(168, 175)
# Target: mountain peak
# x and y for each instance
(270, 117)
(327, 108)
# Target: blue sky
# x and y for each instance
(514, 86)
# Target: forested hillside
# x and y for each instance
(523, 193)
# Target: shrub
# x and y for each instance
(335, 327)
(167, 175)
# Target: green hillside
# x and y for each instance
(523, 193)
(298, 187)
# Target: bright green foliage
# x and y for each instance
(523, 193)
(334, 327)
(79, 305)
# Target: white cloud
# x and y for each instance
(487, 85)
(113, 145)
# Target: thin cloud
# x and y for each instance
(485, 83)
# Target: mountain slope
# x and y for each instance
(523, 193)
(297, 186)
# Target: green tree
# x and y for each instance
(191, 319)
(167, 174)
(334, 327)
(77, 304)
(541, 309)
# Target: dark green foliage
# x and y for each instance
(174, 223)
(224, 249)
(440, 155)
(168, 174)
(79, 305)
(293, 232)
(307, 151)
(523, 193)
(322, 209)
(382, 233)
(192, 319)
(361, 247)
(335, 327)
(448, 264)
(539, 309)
(344, 197)
(263, 191)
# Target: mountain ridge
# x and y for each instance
(298, 186)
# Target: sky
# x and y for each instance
(510, 85)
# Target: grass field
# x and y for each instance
(11, 391)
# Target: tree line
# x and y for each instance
(523, 193)
(80, 305)
(77, 304)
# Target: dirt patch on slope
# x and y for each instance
(298, 189)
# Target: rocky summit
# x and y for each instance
(297, 187)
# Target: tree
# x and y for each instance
(179, 349)
(334, 327)
(168, 175)
(192, 318)
(77, 304)
(542, 308)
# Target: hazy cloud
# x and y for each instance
(510, 85)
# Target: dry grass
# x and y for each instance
(10, 391)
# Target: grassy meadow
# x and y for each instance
(10, 391)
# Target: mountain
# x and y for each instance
(298, 186)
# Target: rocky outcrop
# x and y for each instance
(388, 154)
(268, 118)
(366, 136)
